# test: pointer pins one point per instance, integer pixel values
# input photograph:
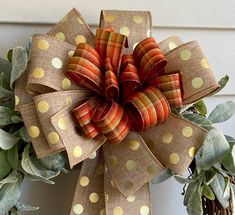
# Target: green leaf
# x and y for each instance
(13, 157)
(16, 119)
(4, 165)
(11, 178)
(5, 116)
(163, 176)
(55, 162)
(9, 55)
(222, 83)
(34, 169)
(213, 150)
(19, 63)
(193, 199)
(210, 175)
(221, 190)
(182, 180)
(208, 192)
(232, 197)
(9, 195)
(222, 112)
(201, 107)
(24, 134)
(198, 119)
(5, 68)
(23, 207)
(229, 160)
(7, 141)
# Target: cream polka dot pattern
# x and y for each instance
(78, 209)
(77, 151)
(187, 131)
(60, 36)
(43, 106)
(174, 158)
(197, 83)
(56, 63)
(84, 181)
(53, 137)
(38, 73)
(43, 44)
(80, 39)
(124, 30)
(185, 55)
(94, 197)
(138, 19)
(144, 210)
(117, 211)
(33, 131)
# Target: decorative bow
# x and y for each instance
(137, 96)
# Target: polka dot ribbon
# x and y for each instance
(146, 95)
(121, 94)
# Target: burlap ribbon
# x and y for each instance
(113, 179)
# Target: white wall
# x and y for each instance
(209, 21)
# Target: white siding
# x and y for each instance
(211, 22)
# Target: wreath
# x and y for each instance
(129, 108)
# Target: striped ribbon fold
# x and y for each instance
(144, 91)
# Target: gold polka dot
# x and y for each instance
(174, 158)
(78, 209)
(94, 197)
(60, 36)
(124, 30)
(112, 160)
(185, 54)
(66, 83)
(131, 198)
(187, 131)
(204, 63)
(84, 181)
(144, 210)
(62, 124)
(150, 144)
(113, 184)
(69, 100)
(197, 83)
(43, 106)
(92, 155)
(80, 39)
(77, 151)
(102, 212)
(80, 21)
(53, 137)
(128, 185)
(135, 45)
(17, 100)
(192, 152)
(43, 44)
(33, 131)
(117, 211)
(172, 45)
(99, 170)
(131, 165)
(71, 53)
(38, 73)
(106, 196)
(134, 145)
(138, 19)
(167, 138)
(149, 33)
(56, 63)
(152, 169)
(109, 18)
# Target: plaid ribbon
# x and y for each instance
(146, 101)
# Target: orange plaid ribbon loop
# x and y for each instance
(135, 97)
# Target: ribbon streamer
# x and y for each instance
(114, 178)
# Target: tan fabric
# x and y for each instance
(131, 163)
(175, 142)
(137, 25)
(170, 43)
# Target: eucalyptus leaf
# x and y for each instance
(213, 150)
(208, 192)
(198, 119)
(222, 83)
(32, 169)
(182, 180)
(16, 119)
(5, 68)
(222, 112)
(5, 116)
(23, 207)
(229, 160)
(9, 195)
(53, 162)
(19, 63)
(7, 141)
(13, 157)
(210, 175)
(163, 176)
(201, 107)
(24, 134)
(11, 178)
(194, 199)
(232, 195)
(220, 190)
(4, 165)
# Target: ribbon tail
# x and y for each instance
(89, 194)
(116, 203)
